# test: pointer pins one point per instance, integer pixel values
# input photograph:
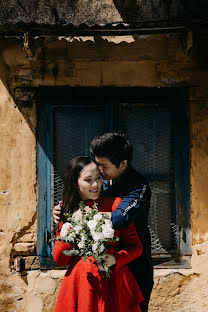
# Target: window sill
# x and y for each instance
(183, 262)
(47, 263)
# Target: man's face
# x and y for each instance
(108, 170)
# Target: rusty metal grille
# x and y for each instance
(150, 128)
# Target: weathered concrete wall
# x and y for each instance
(17, 193)
(180, 291)
(160, 60)
(199, 170)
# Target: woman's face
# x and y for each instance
(89, 182)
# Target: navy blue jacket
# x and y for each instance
(135, 192)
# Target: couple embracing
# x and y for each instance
(124, 195)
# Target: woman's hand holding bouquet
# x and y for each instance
(90, 232)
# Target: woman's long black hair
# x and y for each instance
(71, 197)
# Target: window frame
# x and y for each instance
(44, 167)
(45, 182)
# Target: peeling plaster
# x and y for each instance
(119, 39)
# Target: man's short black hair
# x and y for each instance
(112, 145)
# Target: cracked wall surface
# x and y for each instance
(144, 61)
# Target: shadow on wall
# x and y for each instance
(167, 12)
(94, 12)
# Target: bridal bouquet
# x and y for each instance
(90, 232)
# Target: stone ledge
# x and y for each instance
(26, 263)
(31, 263)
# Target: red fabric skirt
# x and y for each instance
(83, 290)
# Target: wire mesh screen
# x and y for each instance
(150, 130)
(75, 126)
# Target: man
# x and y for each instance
(113, 154)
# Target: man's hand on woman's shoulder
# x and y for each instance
(57, 212)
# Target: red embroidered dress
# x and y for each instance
(83, 289)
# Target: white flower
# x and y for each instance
(83, 238)
(102, 248)
(87, 209)
(108, 222)
(94, 247)
(65, 229)
(77, 229)
(97, 236)
(70, 238)
(77, 215)
(97, 216)
(92, 224)
(108, 232)
(81, 245)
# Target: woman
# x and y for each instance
(83, 289)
